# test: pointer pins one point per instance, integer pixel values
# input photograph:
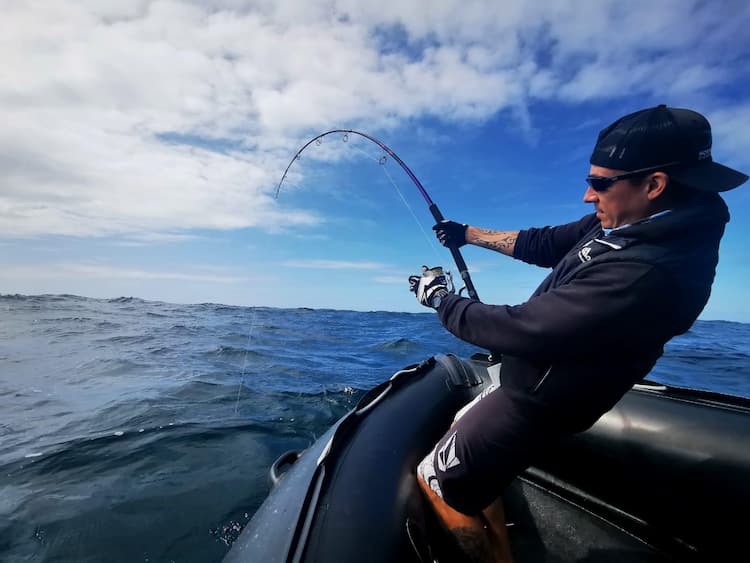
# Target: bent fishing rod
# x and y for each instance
(437, 215)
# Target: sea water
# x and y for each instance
(143, 431)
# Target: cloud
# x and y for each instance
(731, 141)
(334, 265)
(164, 116)
(106, 272)
(151, 238)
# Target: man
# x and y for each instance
(624, 281)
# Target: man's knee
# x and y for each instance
(437, 472)
(426, 472)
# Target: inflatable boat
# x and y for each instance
(664, 476)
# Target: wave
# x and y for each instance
(234, 352)
(125, 300)
(44, 300)
(55, 320)
(98, 367)
(396, 345)
(106, 325)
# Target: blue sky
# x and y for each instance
(143, 141)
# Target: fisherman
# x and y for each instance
(625, 280)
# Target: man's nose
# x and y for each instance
(590, 196)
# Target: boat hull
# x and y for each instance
(652, 480)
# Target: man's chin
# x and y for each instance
(606, 222)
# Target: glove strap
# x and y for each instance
(438, 295)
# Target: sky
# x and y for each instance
(142, 142)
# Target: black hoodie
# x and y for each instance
(599, 321)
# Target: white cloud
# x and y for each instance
(731, 134)
(334, 265)
(95, 93)
(92, 271)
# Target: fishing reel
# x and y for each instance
(439, 271)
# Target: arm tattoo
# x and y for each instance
(501, 241)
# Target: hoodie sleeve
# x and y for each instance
(546, 246)
(615, 304)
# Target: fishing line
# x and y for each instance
(463, 270)
(382, 161)
(244, 360)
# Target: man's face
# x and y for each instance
(621, 203)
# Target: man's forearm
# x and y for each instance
(501, 241)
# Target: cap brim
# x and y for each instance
(709, 176)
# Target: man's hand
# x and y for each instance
(431, 286)
(450, 233)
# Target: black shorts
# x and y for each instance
(491, 441)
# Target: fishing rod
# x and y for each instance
(438, 216)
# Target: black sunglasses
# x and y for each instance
(602, 183)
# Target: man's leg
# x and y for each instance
(497, 528)
(474, 460)
(483, 539)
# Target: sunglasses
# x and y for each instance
(602, 183)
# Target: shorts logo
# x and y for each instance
(446, 457)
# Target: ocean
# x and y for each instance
(138, 431)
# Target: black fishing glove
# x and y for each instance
(450, 233)
(431, 286)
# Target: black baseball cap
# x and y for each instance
(678, 139)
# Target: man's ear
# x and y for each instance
(657, 183)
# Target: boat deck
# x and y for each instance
(545, 527)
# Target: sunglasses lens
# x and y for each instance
(598, 184)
